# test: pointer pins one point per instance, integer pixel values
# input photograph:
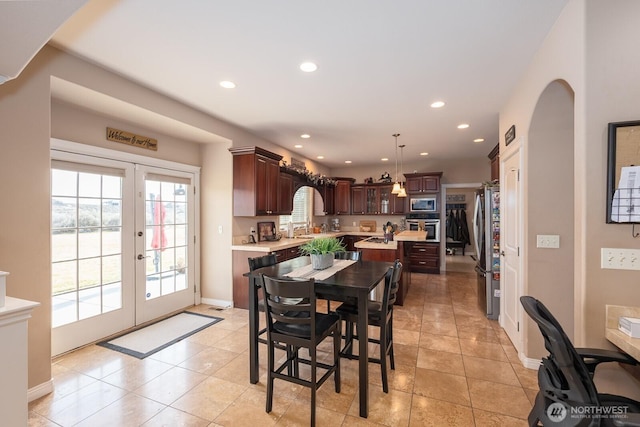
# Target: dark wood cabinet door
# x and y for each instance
(414, 185)
(431, 184)
(358, 200)
(262, 202)
(329, 200)
(398, 204)
(285, 194)
(342, 198)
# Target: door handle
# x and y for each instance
(140, 256)
(502, 253)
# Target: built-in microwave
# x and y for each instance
(423, 204)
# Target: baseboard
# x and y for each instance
(40, 390)
(219, 303)
(528, 362)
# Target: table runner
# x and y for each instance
(307, 272)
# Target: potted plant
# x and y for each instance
(322, 250)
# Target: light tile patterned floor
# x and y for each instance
(454, 367)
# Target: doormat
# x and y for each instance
(157, 336)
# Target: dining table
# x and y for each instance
(355, 281)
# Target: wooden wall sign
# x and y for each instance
(129, 138)
(510, 135)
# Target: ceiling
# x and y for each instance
(380, 66)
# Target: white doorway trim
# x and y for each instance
(443, 217)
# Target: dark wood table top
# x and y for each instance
(358, 277)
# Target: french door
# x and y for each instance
(123, 246)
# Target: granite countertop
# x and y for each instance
(286, 243)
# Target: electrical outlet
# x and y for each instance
(620, 259)
(548, 241)
(252, 230)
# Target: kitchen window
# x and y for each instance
(302, 208)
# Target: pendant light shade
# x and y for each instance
(396, 186)
(402, 192)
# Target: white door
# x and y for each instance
(92, 273)
(165, 242)
(123, 246)
(510, 212)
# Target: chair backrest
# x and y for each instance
(262, 261)
(391, 284)
(563, 375)
(297, 319)
(352, 255)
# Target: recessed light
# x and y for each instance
(384, 159)
(463, 126)
(308, 67)
(478, 140)
(298, 146)
(347, 161)
(320, 157)
(437, 104)
(227, 84)
(305, 136)
(424, 153)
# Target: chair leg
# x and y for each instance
(390, 334)
(270, 367)
(337, 337)
(383, 358)
(314, 384)
(348, 344)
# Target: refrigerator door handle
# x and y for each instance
(477, 225)
(480, 271)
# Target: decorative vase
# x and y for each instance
(321, 261)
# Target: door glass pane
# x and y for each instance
(166, 238)
(86, 239)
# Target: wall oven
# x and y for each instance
(430, 223)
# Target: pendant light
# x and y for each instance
(396, 186)
(402, 192)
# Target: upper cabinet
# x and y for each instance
(425, 182)
(256, 181)
(342, 196)
(375, 199)
(494, 156)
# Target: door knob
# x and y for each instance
(502, 253)
(140, 256)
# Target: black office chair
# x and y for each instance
(254, 264)
(568, 395)
(380, 314)
(298, 326)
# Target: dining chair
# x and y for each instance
(350, 255)
(380, 314)
(298, 326)
(254, 264)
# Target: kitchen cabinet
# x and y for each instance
(423, 257)
(287, 254)
(397, 204)
(375, 199)
(285, 194)
(419, 183)
(494, 156)
(256, 178)
(342, 196)
(329, 197)
(358, 202)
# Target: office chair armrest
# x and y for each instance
(592, 357)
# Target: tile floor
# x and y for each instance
(453, 368)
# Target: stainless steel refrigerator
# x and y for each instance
(486, 228)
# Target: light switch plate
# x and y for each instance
(548, 241)
(620, 259)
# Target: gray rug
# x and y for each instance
(152, 338)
